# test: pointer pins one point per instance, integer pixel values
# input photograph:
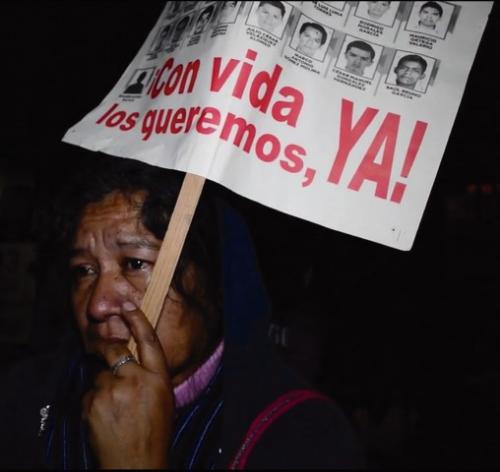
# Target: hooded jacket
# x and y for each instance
(254, 413)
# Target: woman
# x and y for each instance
(206, 390)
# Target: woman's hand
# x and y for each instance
(130, 414)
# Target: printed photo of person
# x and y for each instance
(311, 38)
(431, 18)
(180, 29)
(383, 13)
(188, 6)
(359, 57)
(174, 9)
(270, 16)
(161, 41)
(138, 81)
(411, 71)
(228, 12)
(203, 19)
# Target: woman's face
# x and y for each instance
(112, 261)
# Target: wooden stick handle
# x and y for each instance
(170, 250)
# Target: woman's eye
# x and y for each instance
(135, 264)
(81, 271)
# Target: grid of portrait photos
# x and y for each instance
(362, 45)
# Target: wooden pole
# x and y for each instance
(170, 250)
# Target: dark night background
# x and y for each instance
(406, 342)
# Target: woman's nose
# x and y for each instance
(108, 294)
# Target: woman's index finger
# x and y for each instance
(149, 348)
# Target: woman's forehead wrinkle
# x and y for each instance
(137, 242)
(113, 219)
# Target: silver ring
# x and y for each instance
(122, 361)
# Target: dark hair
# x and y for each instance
(317, 27)
(97, 175)
(274, 3)
(434, 5)
(413, 58)
(363, 46)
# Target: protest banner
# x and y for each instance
(326, 112)
(334, 112)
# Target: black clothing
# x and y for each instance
(209, 432)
